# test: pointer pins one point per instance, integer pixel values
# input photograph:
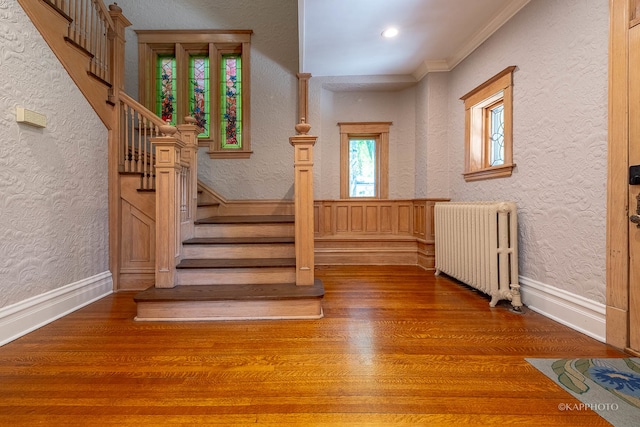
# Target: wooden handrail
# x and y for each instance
(104, 11)
(90, 26)
(138, 126)
(67, 6)
(135, 105)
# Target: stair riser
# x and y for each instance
(231, 310)
(236, 276)
(206, 211)
(239, 251)
(244, 230)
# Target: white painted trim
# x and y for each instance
(426, 67)
(574, 311)
(472, 44)
(481, 36)
(21, 318)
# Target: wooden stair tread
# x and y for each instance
(237, 240)
(205, 204)
(355, 237)
(281, 291)
(247, 219)
(237, 263)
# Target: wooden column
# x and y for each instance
(168, 152)
(303, 96)
(303, 166)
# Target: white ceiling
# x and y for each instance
(343, 37)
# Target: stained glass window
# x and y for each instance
(231, 101)
(166, 88)
(362, 168)
(199, 90)
(496, 135)
(202, 78)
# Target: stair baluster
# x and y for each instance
(139, 125)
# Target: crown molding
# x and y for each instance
(473, 43)
(481, 36)
(427, 67)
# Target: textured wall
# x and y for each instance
(422, 129)
(560, 138)
(432, 150)
(274, 64)
(53, 181)
(365, 106)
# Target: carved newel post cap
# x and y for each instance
(303, 128)
(115, 8)
(190, 120)
(167, 129)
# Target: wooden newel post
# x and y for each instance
(303, 184)
(116, 48)
(189, 132)
(168, 152)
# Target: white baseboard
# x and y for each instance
(21, 318)
(574, 311)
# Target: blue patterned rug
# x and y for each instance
(609, 387)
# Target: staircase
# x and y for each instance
(236, 267)
(205, 260)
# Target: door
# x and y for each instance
(634, 183)
(623, 234)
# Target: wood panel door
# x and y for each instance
(623, 234)
(634, 185)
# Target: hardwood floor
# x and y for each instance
(397, 346)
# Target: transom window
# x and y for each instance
(204, 74)
(488, 133)
(364, 160)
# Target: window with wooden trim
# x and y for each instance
(204, 74)
(364, 160)
(488, 128)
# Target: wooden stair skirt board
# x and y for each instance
(231, 302)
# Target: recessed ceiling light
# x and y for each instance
(390, 32)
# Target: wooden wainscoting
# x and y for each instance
(423, 231)
(138, 251)
(374, 232)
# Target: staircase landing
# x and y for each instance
(231, 302)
